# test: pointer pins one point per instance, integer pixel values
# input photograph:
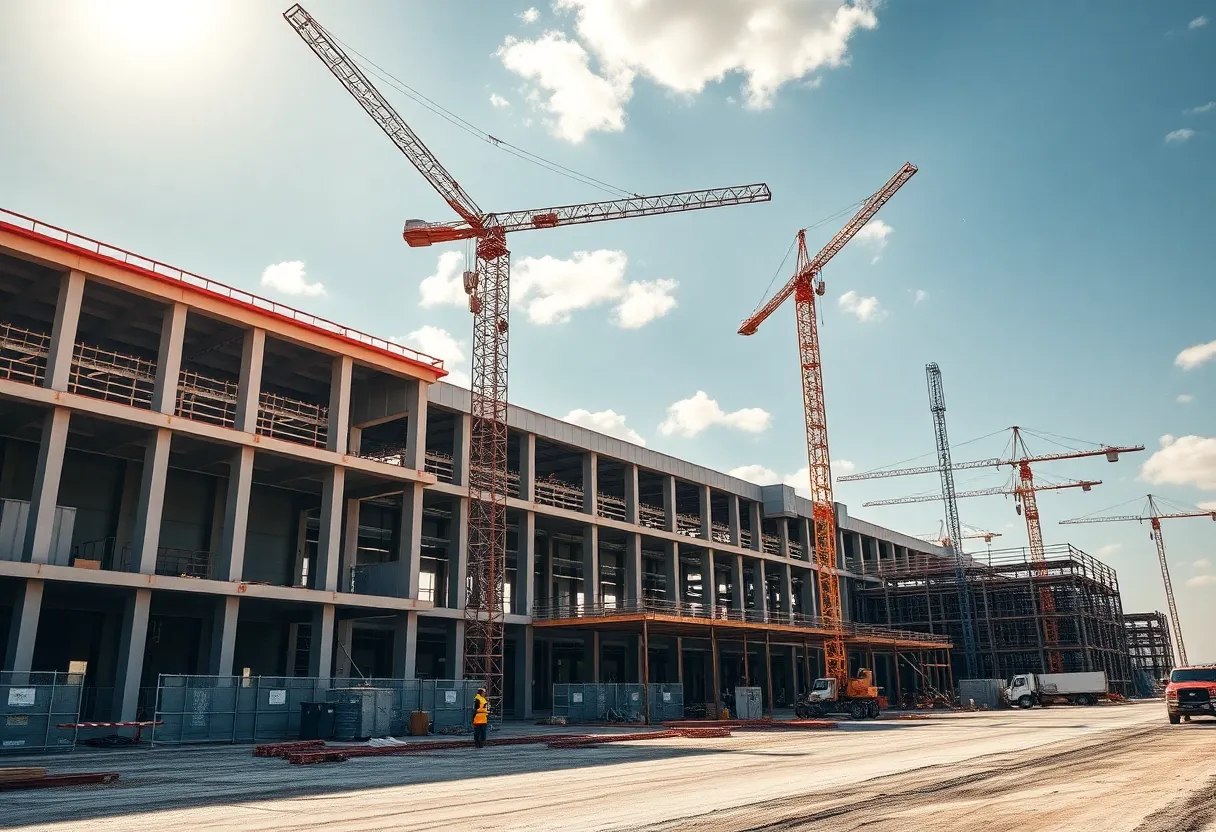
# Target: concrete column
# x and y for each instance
(345, 640)
(63, 333)
(169, 359)
(549, 596)
(321, 652)
(591, 565)
(809, 579)
(732, 513)
(760, 589)
(350, 544)
(23, 631)
(791, 677)
(40, 524)
(591, 646)
(458, 554)
(783, 536)
(757, 525)
(709, 581)
(455, 651)
(591, 479)
(409, 541)
(231, 557)
(151, 502)
(249, 394)
(705, 511)
(405, 645)
(808, 539)
(737, 584)
(787, 589)
(527, 467)
(524, 651)
(329, 539)
(415, 428)
(223, 635)
(631, 494)
(131, 654)
(525, 564)
(462, 436)
(671, 569)
(633, 568)
(337, 433)
(669, 503)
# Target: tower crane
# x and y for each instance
(488, 288)
(806, 283)
(937, 406)
(969, 533)
(1024, 491)
(1154, 516)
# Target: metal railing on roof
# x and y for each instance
(222, 290)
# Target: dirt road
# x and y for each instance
(1108, 768)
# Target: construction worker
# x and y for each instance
(481, 717)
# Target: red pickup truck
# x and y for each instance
(1191, 692)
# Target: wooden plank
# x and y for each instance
(52, 781)
(21, 773)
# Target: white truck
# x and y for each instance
(1029, 689)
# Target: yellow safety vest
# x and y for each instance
(481, 710)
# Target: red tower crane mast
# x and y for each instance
(1154, 516)
(488, 289)
(806, 283)
(1024, 492)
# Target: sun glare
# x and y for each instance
(150, 24)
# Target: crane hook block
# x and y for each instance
(470, 283)
(820, 288)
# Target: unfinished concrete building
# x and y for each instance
(198, 481)
(1008, 617)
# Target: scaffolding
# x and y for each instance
(1148, 641)
(921, 593)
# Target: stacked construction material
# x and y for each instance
(28, 777)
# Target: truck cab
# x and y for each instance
(1191, 692)
(1022, 690)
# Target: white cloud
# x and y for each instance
(875, 232)
(1202, 108)
(865, 308)
(1185, 398)
(578, 100)
(681, 47)
(644, 301)
(550, 289)
(1109, 549)
(1202, 580)
(446, 286)
(439, 343)
(1198, 23)
(1202, 563)
(689, 417)
(288, 278)
(498, 102)
(800, 480)
(607, 422)
(1184, 460)
(758, 474)
(1210, 505)
(530, 15)
(1195, 355)
(1178, 136)
(921, 297)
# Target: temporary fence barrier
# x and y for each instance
(616, 702)
(987, 693)
(201, 709)
(33, 705)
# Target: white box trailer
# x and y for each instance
(1028, 689)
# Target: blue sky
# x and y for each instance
(1060, 229)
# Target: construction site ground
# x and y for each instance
(1113, 767)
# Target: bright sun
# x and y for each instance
(150, 23)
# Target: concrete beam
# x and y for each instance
(63, 331)
(253, 350)
(169, 359)
(40, 525)
(23, 631)
(337, 433)
(152, 484)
